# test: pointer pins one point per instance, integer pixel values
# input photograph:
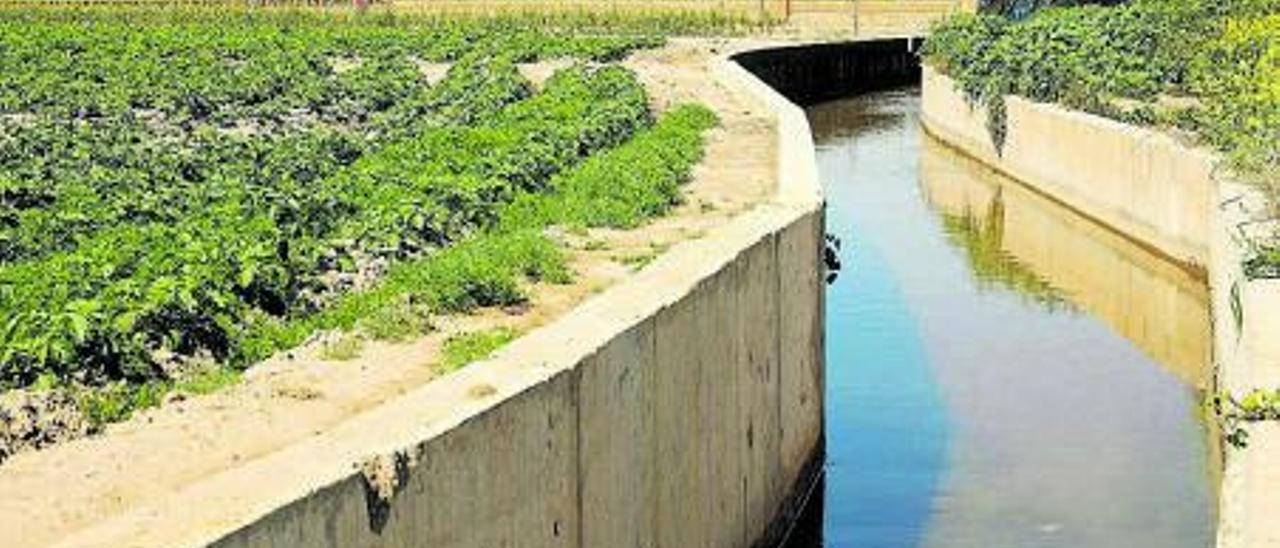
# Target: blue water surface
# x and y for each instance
(970, 402)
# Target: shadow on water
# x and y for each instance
(1001, 371)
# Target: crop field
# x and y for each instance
(182, 195)
(1207, 68)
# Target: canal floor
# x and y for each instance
(1001, 371)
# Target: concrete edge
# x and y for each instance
(378, 443)
(1245, 313)
(797, 171)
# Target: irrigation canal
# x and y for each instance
(1001, 371)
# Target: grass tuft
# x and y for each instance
(464, 349)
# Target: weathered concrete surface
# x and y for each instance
(1247, 356)
(681, 408)
(802, 343)
(1170, 197)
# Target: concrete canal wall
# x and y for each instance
(683, 407)
(1139, 182)
(1170, 197)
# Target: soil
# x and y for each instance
(35, 420)
(52, 493)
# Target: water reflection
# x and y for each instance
(1022, 241)
(981, 235)
(1002, 372)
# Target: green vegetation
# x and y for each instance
(1017, 9)
(460, 350)
(1211, 67)
(345, 347)
(174, 192)
(117, 401)
(1265, 263)
(1258, 405)
(202, 280)
(207, 381)
(623, 187)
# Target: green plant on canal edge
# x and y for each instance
(1264, 263)
(460, 350)
(118, 401)
(1233, 414)
(345, 347)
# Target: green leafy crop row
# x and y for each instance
(104, 308)
(626, 185)
(223, 64)
(632, 182)
(588, 20)
(1211, 67)
(621, 188)
(63, 181)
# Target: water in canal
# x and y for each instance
(1001, 371)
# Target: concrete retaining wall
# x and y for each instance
(681, 408)
(1170, 197)
(1140, 182)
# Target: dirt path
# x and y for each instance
(50, 494)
